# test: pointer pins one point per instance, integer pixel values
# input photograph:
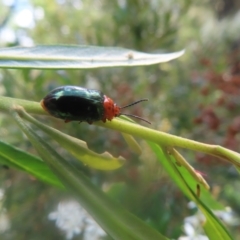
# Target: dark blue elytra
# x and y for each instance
(75, 103)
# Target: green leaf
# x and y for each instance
(78, 148)
(192, 183)
(19, 159)
(75, 57)
(114, 219)
(213, 226)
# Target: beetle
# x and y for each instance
(73, 103)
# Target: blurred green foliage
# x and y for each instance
(174, 91)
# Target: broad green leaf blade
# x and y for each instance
(19, 159)
(213, 226)
(76, 57)
(78, 148)
(114, 219)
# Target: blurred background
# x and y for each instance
(195, 96)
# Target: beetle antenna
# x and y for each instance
(141, 100)
(131, 115)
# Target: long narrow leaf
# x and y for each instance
(186, 183)
(78, 148)
(29, 163)
(70, 57)
(115, 220)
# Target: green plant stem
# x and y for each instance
(164, 139)
(6, 103)
(168, 140)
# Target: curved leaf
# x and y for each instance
(14, 157)
(112, 217)
(75, 57)
(213, 226)
(77, 147)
